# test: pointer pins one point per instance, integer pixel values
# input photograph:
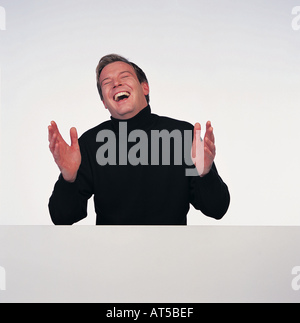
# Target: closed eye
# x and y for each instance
(106, 83)
(125, 74)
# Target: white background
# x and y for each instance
(235, 63)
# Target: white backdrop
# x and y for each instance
(236, 63)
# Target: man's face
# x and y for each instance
(123, 94)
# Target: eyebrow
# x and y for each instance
(107, 78)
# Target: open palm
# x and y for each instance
(203, 152)
(67, 157)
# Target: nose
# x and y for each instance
(117, 82)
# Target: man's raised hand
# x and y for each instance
(67, 158)
(203, 152)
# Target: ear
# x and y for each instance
(145, 87)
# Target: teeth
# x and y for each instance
(118, 95)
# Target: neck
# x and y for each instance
(142, 120)
(127, 115)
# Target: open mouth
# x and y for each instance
(121, 96)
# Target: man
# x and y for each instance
(148, 192)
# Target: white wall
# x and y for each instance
(236, 63)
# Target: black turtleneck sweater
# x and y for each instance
(143, 194)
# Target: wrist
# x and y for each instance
(204, 173)
(69, 178)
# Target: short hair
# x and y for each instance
(111, 58)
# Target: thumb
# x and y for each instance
(196, 139)
(74, 137)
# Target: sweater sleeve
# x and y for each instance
(68, 202)
(210, 194)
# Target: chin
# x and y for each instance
(124, 112)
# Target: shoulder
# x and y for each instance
(92, 133)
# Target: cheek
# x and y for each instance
(105, 99)
(105, 94)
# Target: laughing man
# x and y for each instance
(147, 193)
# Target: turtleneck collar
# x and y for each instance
(143, 120)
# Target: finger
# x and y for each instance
(55, 130)
(197, 127)
(52, 128)
(50, 133)
(210, 135)
(209, 156)
(54, 125)
(210, 146)
(208, 125)
(56, 152)
(74, 137)
(210, 132)
(53, 142)
(197, 139)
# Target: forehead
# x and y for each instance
(115, 68)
